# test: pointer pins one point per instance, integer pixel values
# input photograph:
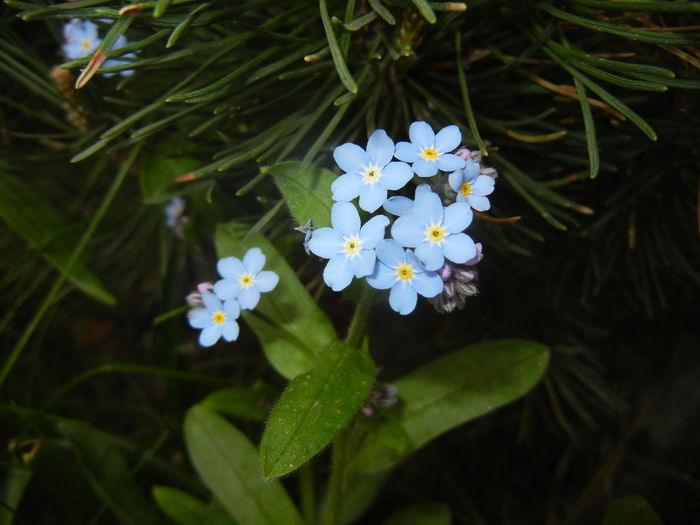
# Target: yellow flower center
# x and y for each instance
(429, 153)
(465, 189)
(352, 246)
(404, 271)
(372, 174)
(246, 280)
(434, 234)
(218, 317)
(86, 45)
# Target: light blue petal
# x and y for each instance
(372, 196)
(409, 230)
(248, 298)
(423, 189)
(230, 267)
(483, 185)
(390, 253)
(382, 278)
(346, 187)
(398, 205)
(345, 219)
(407, 152)
(351, 158)
(232, 309)
(338, 273)
(227, 289)
(254, 260)
(459, 248)
(430, 254)
(455, 180)
(471, 170)
(380, 148)
(479, 203)
(373, 231)
(266, 281)
(422, 135)
(230, 330)
(413, 261)
(403, 298)
(424, 167)
(396, 175)
(325, 242)
(428, 207)
(449, 162)
(363, 264)
(200, 318)
(457, 217)
(211, 302)
(428, 284)
(448, 139)
(210, 335)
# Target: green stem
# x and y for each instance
(308, 494)
(338, 481)
(75, 256)
(357, 325)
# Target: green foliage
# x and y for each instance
(306, 191)
(424, 513)
(631, 510)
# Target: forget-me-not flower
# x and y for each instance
(472, 187)
(349, 247)
(215, 319)
(369, 174)
(80, 38)
(401, 271)
(244, 280)
(435, 231)
(173, 211)
(401, 206)
(429, 152)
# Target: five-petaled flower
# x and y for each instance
(80, 38)
(435, 231)
(173, 211)
(370, 173)
(349, 247)
(401, 271)
(244, 280)
(472, 187)
(429, 152)
(216, 319)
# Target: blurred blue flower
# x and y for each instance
(349, 247)
(435, 231)
(369, 174)
(215, 319)
(401, 271)
(472, 187)
(121, 42)
(429, 152)
(80, 38)
(244, 280)
(173, 211)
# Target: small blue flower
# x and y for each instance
(401, 271)
(401, 206)
(435, 231)
(215, 319)
(472, 187)
(244, 280)
(370, 173)
(80, 38)
(427, 152)
(173, 211)
(121, 42)
(349, 247)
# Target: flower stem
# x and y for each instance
(308, 494)
(357, 325)
(338, 481)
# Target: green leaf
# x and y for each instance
(228, 464)
(388, 431)
(306, 190)
(631, 510)
(289, 325)
(589, 125)
(181, 507)
(340, 65)
(314, 408)
(242, 401)
(159, 168)
(14, 483)
(423, 513)
(426, 10)
(457, 388)
(46, 231)
(105, 467)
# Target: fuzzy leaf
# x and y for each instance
(181, 507)
(457, 388)
(631, 510)
(314, 408)
(307, 191)
(160, 167)
(241, 401)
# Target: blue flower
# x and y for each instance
(472, 187)
(244, 280)
(349, 247)
(80, 38)
(435, 231)
(428, 151)
(370, 173)
(173, 211)
(215, 319)
(401, 206)
(401, 271)
(121, 42)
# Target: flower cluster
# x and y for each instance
(217, 306)
(428, 252)
(80, 40)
